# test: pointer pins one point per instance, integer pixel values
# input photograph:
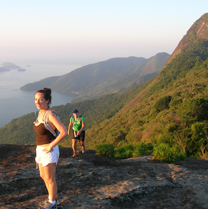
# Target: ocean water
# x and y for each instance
(14, 102)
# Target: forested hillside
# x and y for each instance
(171, 109)
(115, 75)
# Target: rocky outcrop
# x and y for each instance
(91, 181)
(199, 30)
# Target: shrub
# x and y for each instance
(177, 94)
(165, 138)
(143, 148)
(162, 103)
(124, 152)
(117, 136)
(178, 155)
(172, 128)
(176, 102)
(198, 139)
(204, 153)
(167, 154)
(105, 149)
(181, 138)
(140, 123)
(196, 109)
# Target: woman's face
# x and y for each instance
(40, 101)
(75, 115)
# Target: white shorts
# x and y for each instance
(47, 158)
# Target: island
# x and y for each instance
(21, 70)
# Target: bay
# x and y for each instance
(14, 102)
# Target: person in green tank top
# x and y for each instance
(77, 123)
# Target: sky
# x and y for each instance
(81, 32)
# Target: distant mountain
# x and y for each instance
(115, 75)
(8, 66)
(40, 84)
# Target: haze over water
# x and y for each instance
(14, 103)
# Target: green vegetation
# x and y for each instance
(129, 150)
(125, 151)
(143, 148)
(19, 131)
(167, 154)
(105, 149)
(162, 103)
(162, 152)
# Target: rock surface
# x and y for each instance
(91, 181)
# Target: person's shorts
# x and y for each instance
(80, 137)
(47, 158)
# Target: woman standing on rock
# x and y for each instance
(47, 151)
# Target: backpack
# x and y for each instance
(80, 119)
(46, 121)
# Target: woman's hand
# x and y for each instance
(47, 149)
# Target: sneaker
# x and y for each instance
(45, 201)
(48, 205)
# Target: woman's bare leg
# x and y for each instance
(42, 174)
(49, 172)
(74, 146)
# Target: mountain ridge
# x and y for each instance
(115, 75)
(198, 30)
